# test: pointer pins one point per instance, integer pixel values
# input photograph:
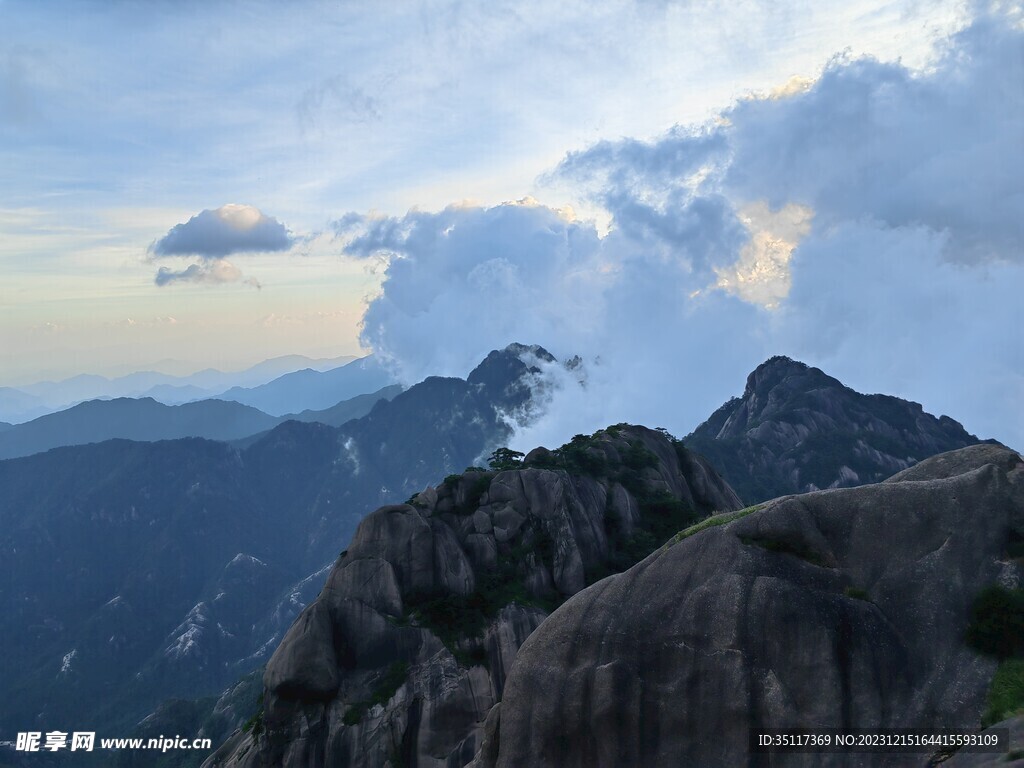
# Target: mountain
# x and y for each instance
(19, 406)
(407, 648)
(883, 606)
(795, 429)
(32, 400)
(210, 382)
(313, 390)
(135, 572)
(437, 641)
(4, 426)
(346, 410)
(145, 419)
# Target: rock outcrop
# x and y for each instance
(842, 609)
(406, 651)
(795, 429)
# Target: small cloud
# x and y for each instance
(214, 272)
(336, 100)
(211, 236)
(273, 320)
(214, 234)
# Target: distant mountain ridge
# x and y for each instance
(313, 390)
(24, 402)
(133, 572)
(796, 429)
(146, 420)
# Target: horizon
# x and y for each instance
(236, 183)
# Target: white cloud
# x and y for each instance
(876, 212)
(211, 272)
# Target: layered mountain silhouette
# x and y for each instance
(796, 429)
(144, 419)
(315, 390)
(147, 420)
(30, 401)
(134, 572)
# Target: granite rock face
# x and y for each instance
(405, 653)
(796, 429)
(843, 608)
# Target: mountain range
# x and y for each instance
(138, 573)
(314, 390)
(134, 572)
(29, 401)
(145, 419)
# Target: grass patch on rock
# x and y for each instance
(1006, 692)
(722, 518)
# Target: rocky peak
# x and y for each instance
(502, 371)
(796, 429)
(407, 649)
(832, 610)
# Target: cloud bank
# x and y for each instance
(212, 235)
(868, 223)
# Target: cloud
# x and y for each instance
(212, 235)
(211, 272)
(867, 223)
(872, 140)
(232, 228)
(761, 275)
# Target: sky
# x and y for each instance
(672, 191)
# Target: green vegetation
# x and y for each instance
(1006, 693)
(505, 458)
(475, 488)
(255, 724)
(710, 522)
(392, 679)
(996, 629)
(580, 456)
(475, 492)
(857, 593)
(997, 623)
(456, 618)
(661, 516)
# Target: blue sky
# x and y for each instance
(816, 179)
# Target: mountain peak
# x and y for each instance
(506, 367)
(775, 370)
(797, 429)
